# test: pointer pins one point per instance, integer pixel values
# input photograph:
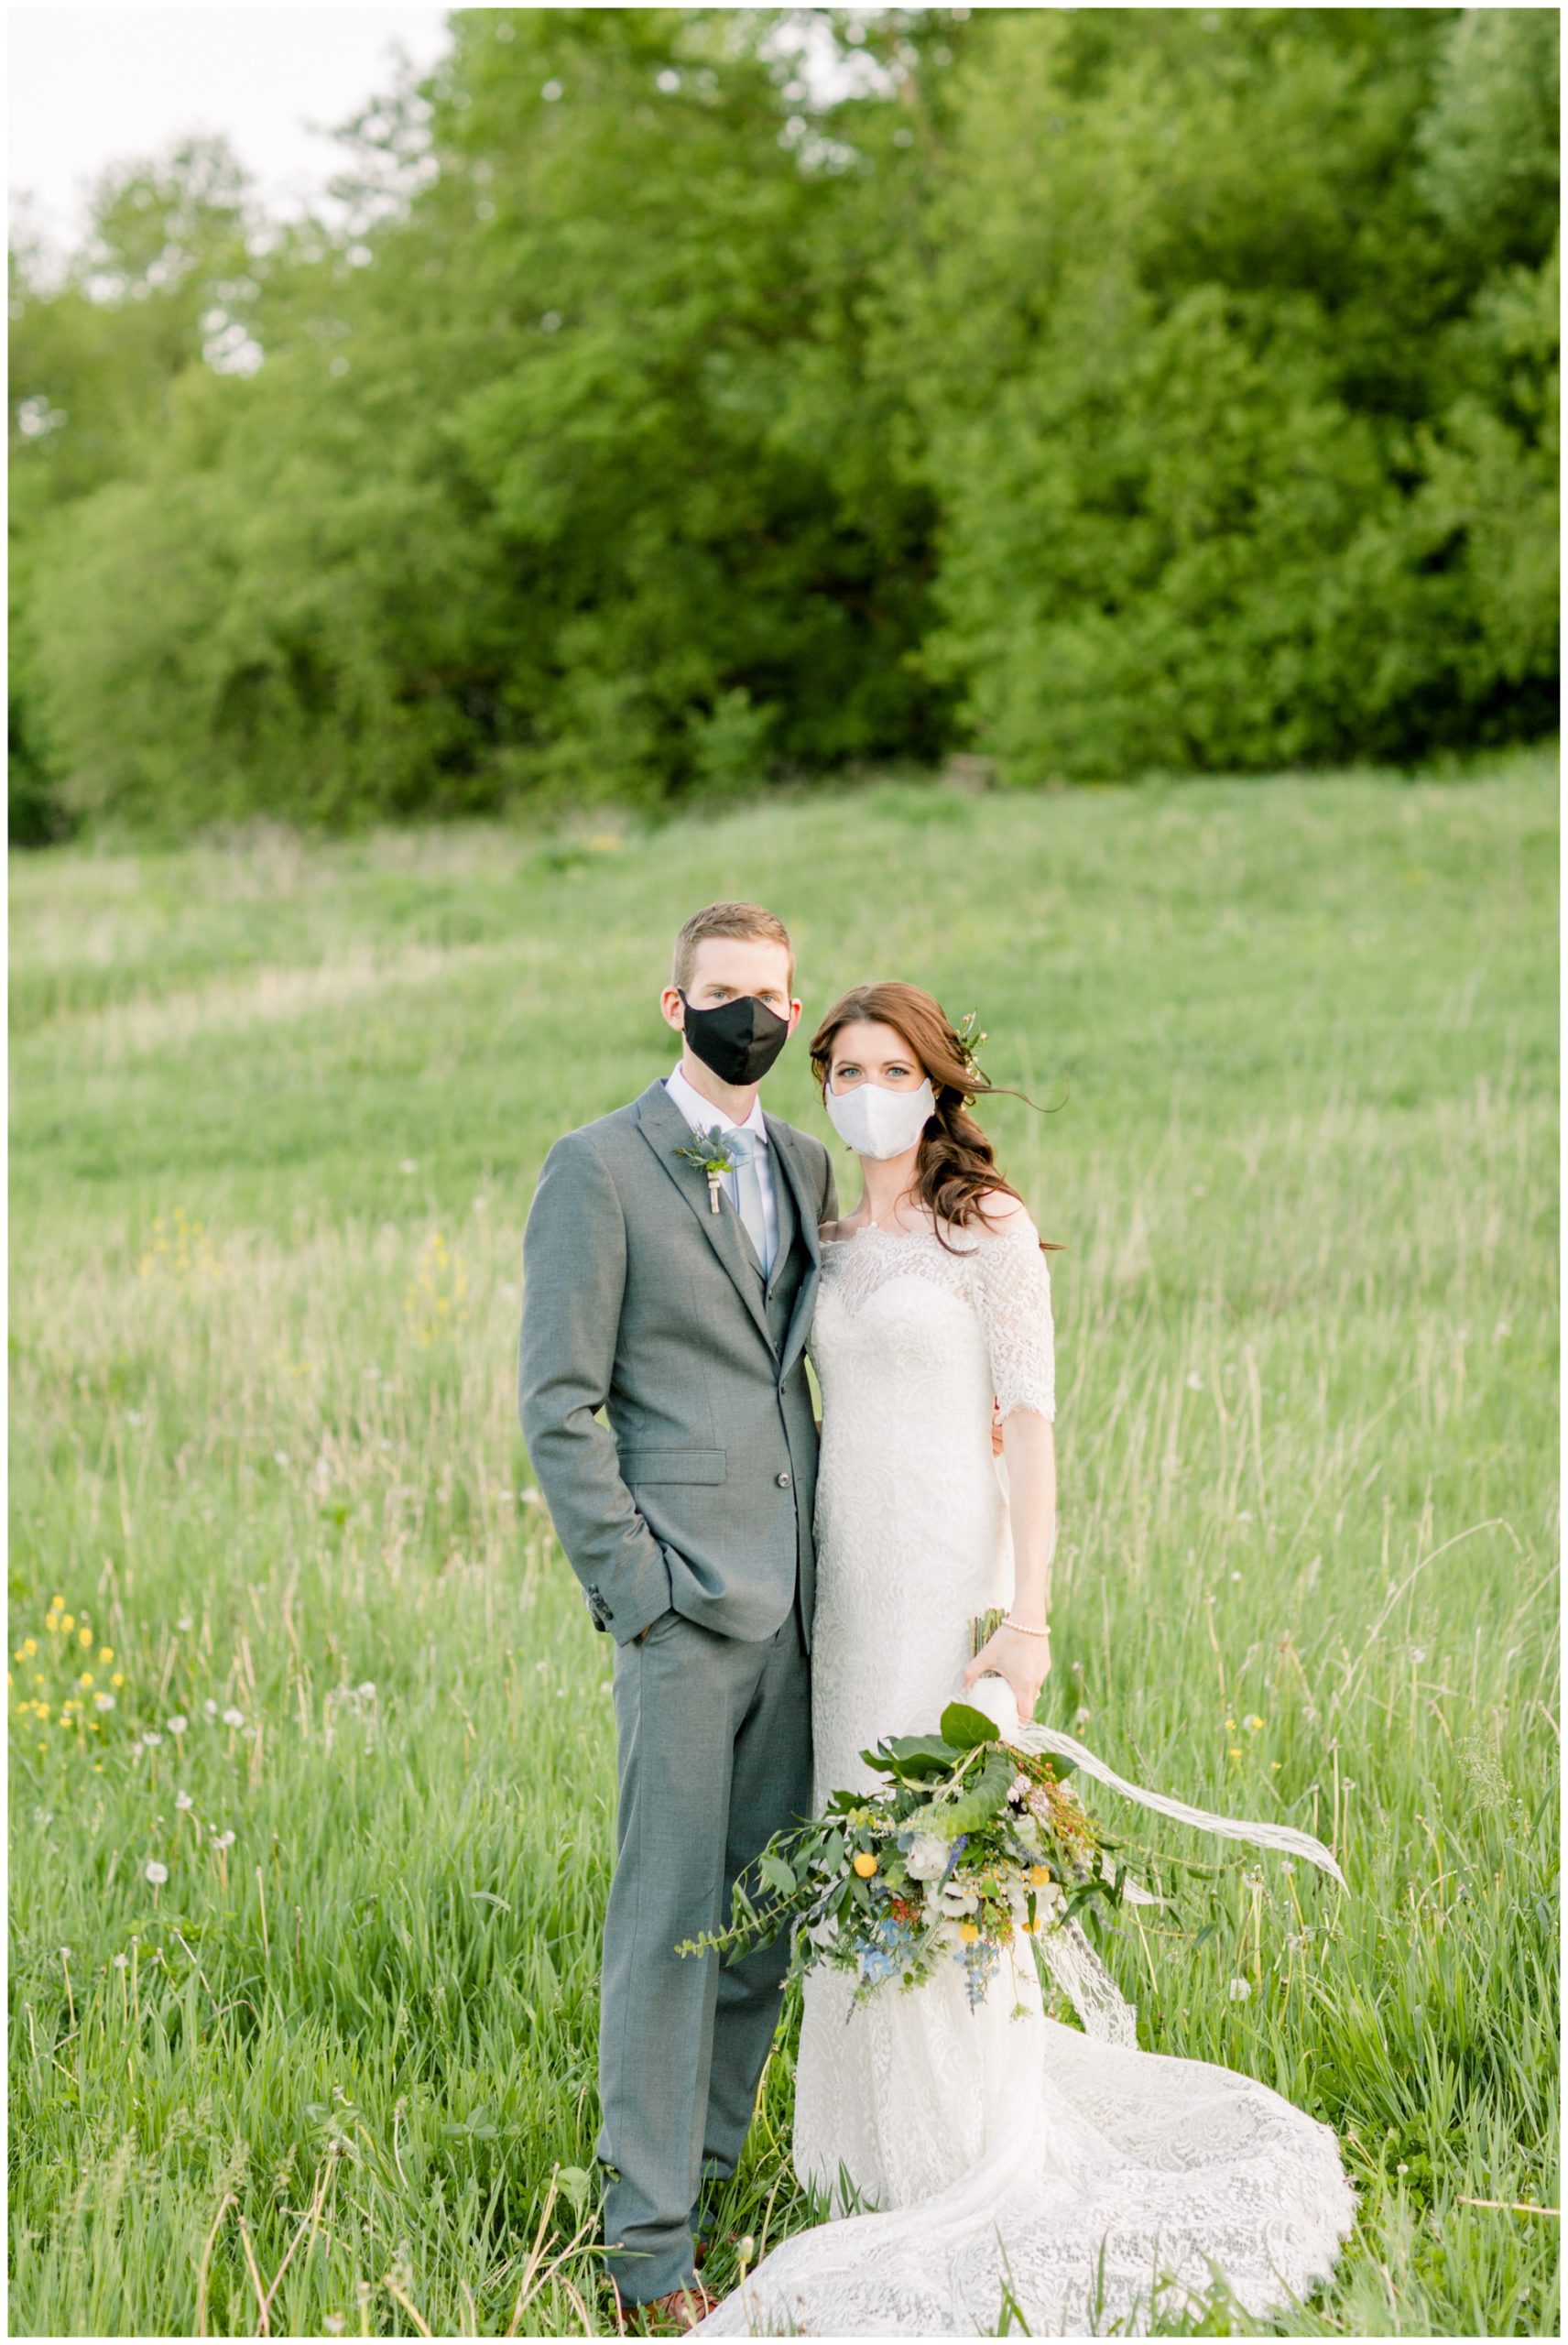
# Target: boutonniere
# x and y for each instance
(710, 1150)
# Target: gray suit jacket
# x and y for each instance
(697, 1494)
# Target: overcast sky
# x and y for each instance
(91, 86)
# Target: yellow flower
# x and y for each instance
(118, 1678)
(1235, 1752)
(968, 1932)
(1274, 1765)
(1253, 1721)
(866, 1864)
(85, 1636)
(67, 1621)
(1230, 1726)
(29, 1647)
(105, 1653)
(1039, 1875)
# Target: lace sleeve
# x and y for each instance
(1011, 1290)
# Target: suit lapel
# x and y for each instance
(780, 1139)
(666, 1131)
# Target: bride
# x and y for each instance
(1021, 2172)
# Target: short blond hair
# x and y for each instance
(750, 920)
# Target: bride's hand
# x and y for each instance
(1023, 1660)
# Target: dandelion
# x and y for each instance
(222, 1839)
(1233, 1751)
(185, 1624)
(234, 1718)
(183, 1800)
(85, 1636)
(1235, 1575)
(210, 1707)
(1194, 1382)
(178, 1723)
(103, 1701)
(1230, 1726)
(1239, 1989)
(121, 1962)
(151, 1738)
(1252, 1722)
(1081, 1717)
(68, 1623)
(155, 1872)
(105, 1655)
(280, 1458)
(366, 1690)
(85, 1679)
(118, 1679)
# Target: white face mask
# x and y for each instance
(878, 1122)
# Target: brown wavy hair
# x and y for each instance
(957, 1164)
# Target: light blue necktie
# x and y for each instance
(747, 1195)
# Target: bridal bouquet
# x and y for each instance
(973, 1845)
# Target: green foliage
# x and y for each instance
(1099, 389)
(1260, 466)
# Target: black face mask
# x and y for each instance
(739, 1040)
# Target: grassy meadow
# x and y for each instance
(277, 1108)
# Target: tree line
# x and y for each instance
(681, 400)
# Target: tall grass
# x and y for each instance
(277, 1115)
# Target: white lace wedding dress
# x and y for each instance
(1009, 2156)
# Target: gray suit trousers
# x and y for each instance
(715, 1756)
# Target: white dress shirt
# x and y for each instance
(702, 1115)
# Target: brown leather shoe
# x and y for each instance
(667, 2315)
(682, 2308)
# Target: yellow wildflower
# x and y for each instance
(68, 1622)
(85, 1636)
(969, 1932)
(85, 1678)
(866, 1864)
(118, 1678)
(105, 1654)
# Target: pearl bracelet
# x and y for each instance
(1023, 1632)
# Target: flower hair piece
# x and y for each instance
(969, 1042)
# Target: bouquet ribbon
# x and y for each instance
(1066, 1951)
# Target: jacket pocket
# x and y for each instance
(672, 1464)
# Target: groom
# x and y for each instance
(679, 1306)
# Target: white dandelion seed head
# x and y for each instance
(103, 1701)
(183, 1800)
(1239, 1989)
(222, 1839)
(1194, 1382)
(366, 1690)
(122, 1961)
(178, 1724)
(210, 1707)
(185, 1624)
(155, 1872)
(234, 1718)
(151, 1738)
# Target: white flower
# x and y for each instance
(234, 1718)
(367, 1690)
(183, 1800)
(210, 1707)
(122, 1961)
(956, 1901)
(1081, 1717)
(222, 1839)
(531, 1498)
(280, 1458)
(1194, 1382)
(151, 1739)
(185, 1624)
(103, 1701)
(1239, 1989)
(156, 1872)
(178, 1724)
(927, 1857)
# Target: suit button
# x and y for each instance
(783, 1480)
